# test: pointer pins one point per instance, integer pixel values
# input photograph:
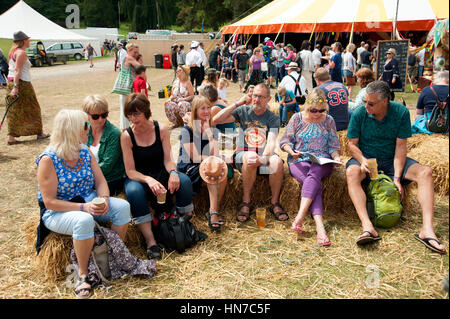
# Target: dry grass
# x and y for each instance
(242, 261)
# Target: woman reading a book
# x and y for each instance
(311, 134)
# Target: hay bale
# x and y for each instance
(54, 255)
(343, 141)
(433, 151)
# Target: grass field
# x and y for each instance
(5, 45)
(243, 260)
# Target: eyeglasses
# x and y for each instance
(134, 114)
(86, 126)
(259, 96)
(97, 116)
(317, 111)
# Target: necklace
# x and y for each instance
(76, 168)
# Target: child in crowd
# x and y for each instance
(140, 83)
(222, 89)
(287, 103)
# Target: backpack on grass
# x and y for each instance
(174, 231)
(383, 202)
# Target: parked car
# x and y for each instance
(132, 35)
(72, 49)
(39, 56)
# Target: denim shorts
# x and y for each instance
(238, 161)
(386, 166)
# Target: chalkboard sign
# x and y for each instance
(401, 47)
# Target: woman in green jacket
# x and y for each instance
(104, 142)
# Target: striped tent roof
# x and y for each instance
(306, 16)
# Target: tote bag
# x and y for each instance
(123, 83)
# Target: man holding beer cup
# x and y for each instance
(379, 131)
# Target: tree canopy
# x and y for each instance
(147, 14)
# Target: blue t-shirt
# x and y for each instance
(427, 100)
(335, 72)
(337, 96)
(288, 97)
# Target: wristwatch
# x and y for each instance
(15, 86)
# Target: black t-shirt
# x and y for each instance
(365, 55)
(213, 56)
(242, 59)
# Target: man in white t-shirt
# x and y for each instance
(421, 57)
(194, 61)
(317, 57)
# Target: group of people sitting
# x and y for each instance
(89, 157)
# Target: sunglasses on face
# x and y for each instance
(317, 111)
(97, 116)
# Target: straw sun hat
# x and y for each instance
(213, 170)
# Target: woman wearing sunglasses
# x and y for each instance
(104, 142)
(311, 131)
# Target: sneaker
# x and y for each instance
(154, 252)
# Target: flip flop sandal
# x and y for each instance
(280, 212)
(81, 281)
(323, 241)
(426, 242)
(367, 240)
(214, 226)
(241, 213)
(297, 228)
(42, 136)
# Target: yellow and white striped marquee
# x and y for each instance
(306, 16)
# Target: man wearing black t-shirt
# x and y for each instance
(240, 64)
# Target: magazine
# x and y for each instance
(321, 160)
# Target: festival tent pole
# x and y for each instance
(274, 41)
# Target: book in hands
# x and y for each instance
(321, 160)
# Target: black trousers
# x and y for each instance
(196, 76)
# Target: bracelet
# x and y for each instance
(15, 86)
(105, 196)
(395, 177)
(173, 171)
(82, 207)
(236, 104)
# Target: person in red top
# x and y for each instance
(140, 83)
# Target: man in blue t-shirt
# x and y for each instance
(427, 99)
(380, 130)
(337, 96)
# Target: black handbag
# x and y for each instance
(174, 231)
(438, 121)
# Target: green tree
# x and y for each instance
(100, 13)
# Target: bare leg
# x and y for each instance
(305, 203)
(356, 192)
(422, 175)
(275, 177)
(83, 250)
(146, 231)
(121, 230)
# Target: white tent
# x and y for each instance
(22, 17)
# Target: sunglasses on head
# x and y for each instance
(97, 116)
(317, 111)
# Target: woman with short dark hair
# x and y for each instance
(150, 169)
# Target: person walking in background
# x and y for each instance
(349, 67)
(391, 72)
(366, 56)
(279, 63)
(201, 50)
(181, 56)
(90, 54)
(24, 118)
(121, 55)
(174, 60)
(214, 57)
(194, 61)
(336, 63)
(241, 65)
(307, 64)
(421, 57)
(358, 54)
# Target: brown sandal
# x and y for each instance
(243, 213)
(280, 212)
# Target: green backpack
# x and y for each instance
(383, 202)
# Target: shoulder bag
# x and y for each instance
(438, 121)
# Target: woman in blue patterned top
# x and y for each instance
(311, 131)
(69, 178)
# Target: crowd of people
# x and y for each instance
(89, 157)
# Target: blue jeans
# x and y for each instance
(420, 71)
(284, 110)
(81, 224)
(280, 74)
(139, 193)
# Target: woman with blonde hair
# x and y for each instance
(180, 100)
(197, 143)
(104, 142)
(311, 131)
(349, 67)
(24, 118)
(69, 178)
